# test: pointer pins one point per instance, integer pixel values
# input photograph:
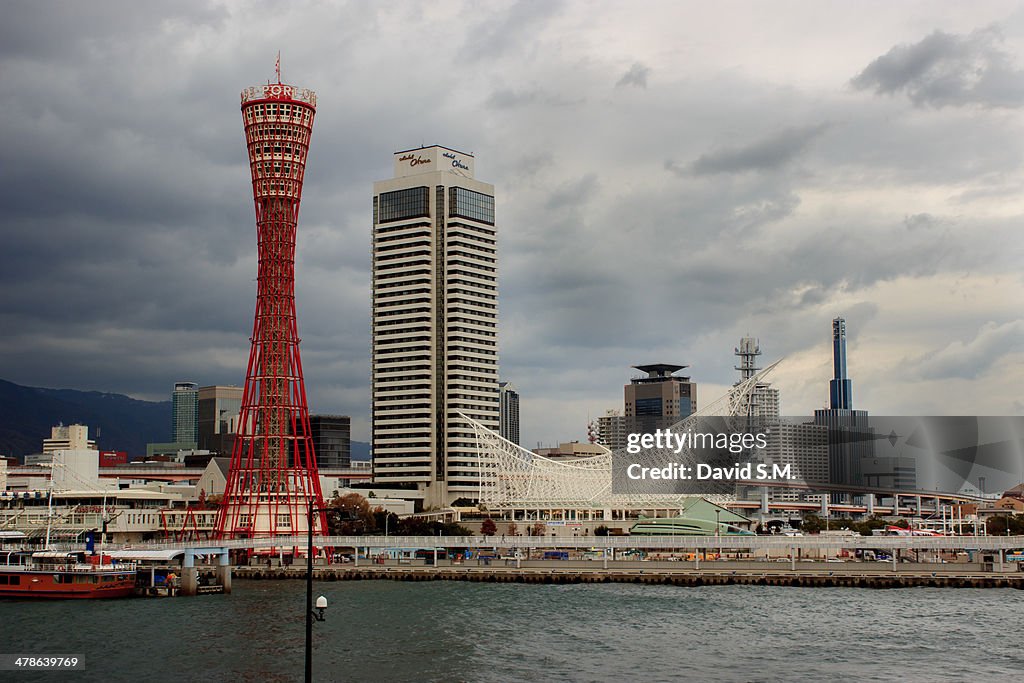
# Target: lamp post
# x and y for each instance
(718, 531)
(321, 602)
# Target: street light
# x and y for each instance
(321, 602)
(718, 531)
(321, 605)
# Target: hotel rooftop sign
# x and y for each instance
(435, 158)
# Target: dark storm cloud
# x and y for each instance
(63, 28)
(636, 76)
(129, 255)
(765, 155)
(946, 69)
(128, 245)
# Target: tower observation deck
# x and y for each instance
(273, 473)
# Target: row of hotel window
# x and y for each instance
(380, 325)
(414, 202)
(410, 230)
(390, 289)
(382, 279)
(405, 236)
(424, 247)
(421, 250)
(408, 314)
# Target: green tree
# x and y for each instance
(601, 530)
(812, 524)
(385, 522)
(867, 527)
(996, 526)
(350, 515)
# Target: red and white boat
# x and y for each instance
(892, 530)
(60, 574)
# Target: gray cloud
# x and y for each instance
(513, 30)
(972, 358)
(770, 153)
(506, 98)
(920, 221)
(636, 76)
(946, 69)
(573, 193)
(509, 99)
(129, 250)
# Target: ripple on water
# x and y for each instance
(455, 631)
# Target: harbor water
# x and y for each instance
(456, 631)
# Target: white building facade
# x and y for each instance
(435, 322)
(68, 437)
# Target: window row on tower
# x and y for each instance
(260, 132)
(276, 169)
(277, 187)
(278, 111)
(277, 152)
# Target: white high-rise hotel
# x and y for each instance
(435, 322)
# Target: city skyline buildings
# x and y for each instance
(435, 322)
(771, 223)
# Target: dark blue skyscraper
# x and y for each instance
(840, 388)
(850, 437)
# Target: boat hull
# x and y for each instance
(58, 585)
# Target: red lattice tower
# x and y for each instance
(273, 474)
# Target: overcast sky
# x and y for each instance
(670, 176)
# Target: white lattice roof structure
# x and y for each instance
(513, 477)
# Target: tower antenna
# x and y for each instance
(277, 66)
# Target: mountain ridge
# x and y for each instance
(124, 423)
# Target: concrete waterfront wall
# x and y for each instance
(919, 576)
(705, 565)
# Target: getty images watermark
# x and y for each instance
(976, 455)
(709, 443)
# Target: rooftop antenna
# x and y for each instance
(277, 67)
